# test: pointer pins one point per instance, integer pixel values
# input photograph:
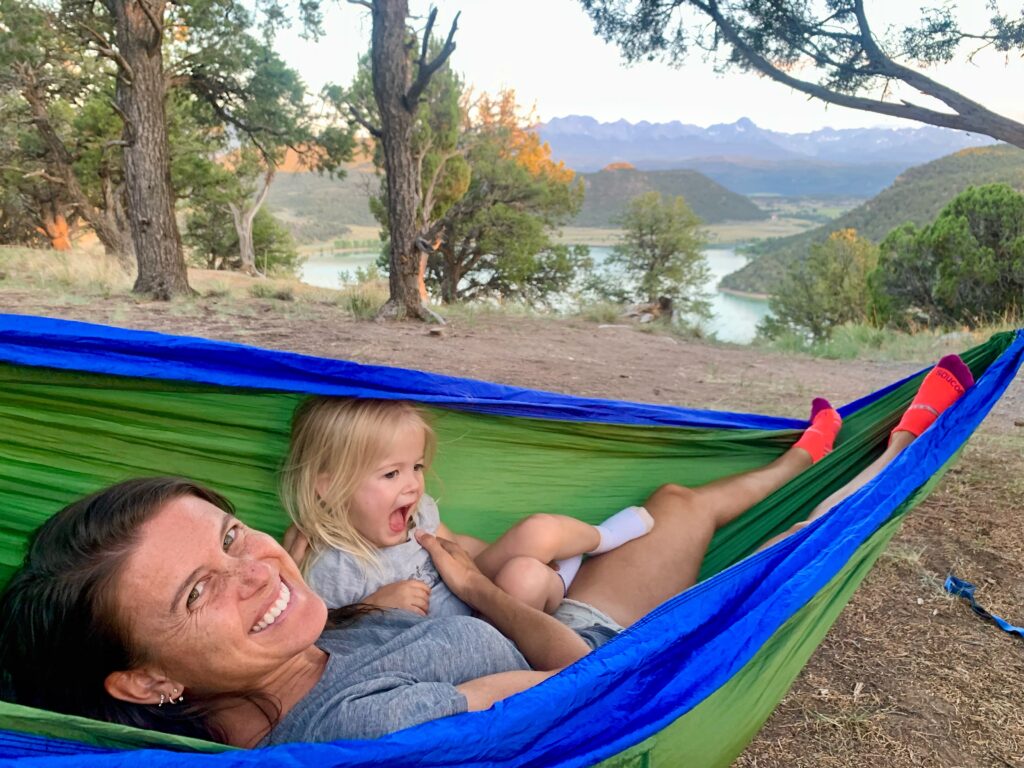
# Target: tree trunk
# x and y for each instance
(243, 218)
(106, 222)
(141, 91)
(55, 226)
(451, 276)
(391, 81)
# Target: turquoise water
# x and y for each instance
(735, 317)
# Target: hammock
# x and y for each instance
(82, 406)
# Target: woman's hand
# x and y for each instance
(544, 641)
(409, 595)
(456, 567)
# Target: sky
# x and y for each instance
(547, 51)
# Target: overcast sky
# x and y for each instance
(546, 50)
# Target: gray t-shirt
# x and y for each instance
(392, 670)
(342, 579)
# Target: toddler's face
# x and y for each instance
(388, 495)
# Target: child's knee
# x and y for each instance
(526, 579)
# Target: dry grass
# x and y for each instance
(951, 697)
(86, 271)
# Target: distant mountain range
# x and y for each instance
(752, 160)
(916, 196)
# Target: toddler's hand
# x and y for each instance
(409, 595)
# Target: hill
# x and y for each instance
(608, 192)
(916, 196)
(316, 208)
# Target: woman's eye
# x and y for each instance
(229, 538)
(195, 594)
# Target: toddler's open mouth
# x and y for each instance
(399, 519)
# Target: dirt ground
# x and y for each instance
(907, 676)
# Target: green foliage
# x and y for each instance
(966, 268)
(211, 235)
(608, 191)
(917, 196)
(497, 236)
(661, 254)
(828, 290)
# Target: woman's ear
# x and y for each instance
(140, 686)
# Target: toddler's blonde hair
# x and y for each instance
(345, 439)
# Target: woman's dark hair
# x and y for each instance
(60, 631)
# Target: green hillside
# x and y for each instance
(316, 208)
(609, 191)
(916, 196)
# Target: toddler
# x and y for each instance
(354, 486)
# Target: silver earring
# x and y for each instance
(162, 699)
(179, 699)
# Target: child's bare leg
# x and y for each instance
(531, 581)
(541, 537)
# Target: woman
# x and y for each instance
(150, 604)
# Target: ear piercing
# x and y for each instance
(173, 699)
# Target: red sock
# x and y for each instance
(818, 438)
(940, 389)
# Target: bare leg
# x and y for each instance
(900, 440)
(533, 582)
(541, 537)
(628, 582)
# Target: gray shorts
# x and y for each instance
(594, 626)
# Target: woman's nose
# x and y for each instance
(252, 576)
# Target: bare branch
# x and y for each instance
(364, 122)
(365, 3)
(426, 69)
(158, 26)
(104, 48)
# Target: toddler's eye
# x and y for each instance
(392, 474)
(418, 468)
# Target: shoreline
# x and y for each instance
(744, 294)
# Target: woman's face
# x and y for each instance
(214, 605)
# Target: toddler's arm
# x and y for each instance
(409, 595)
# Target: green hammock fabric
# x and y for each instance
(67, 434)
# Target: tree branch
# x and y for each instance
(426, 69)
(365, 3)
(104, 48)
(969, 116)
(158, 26)
(364, 122)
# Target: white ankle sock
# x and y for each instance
(631, 523)
(567, 569)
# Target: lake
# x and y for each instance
(735, 317)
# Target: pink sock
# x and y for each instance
(819, 438)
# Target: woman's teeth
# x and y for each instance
(275, 610)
